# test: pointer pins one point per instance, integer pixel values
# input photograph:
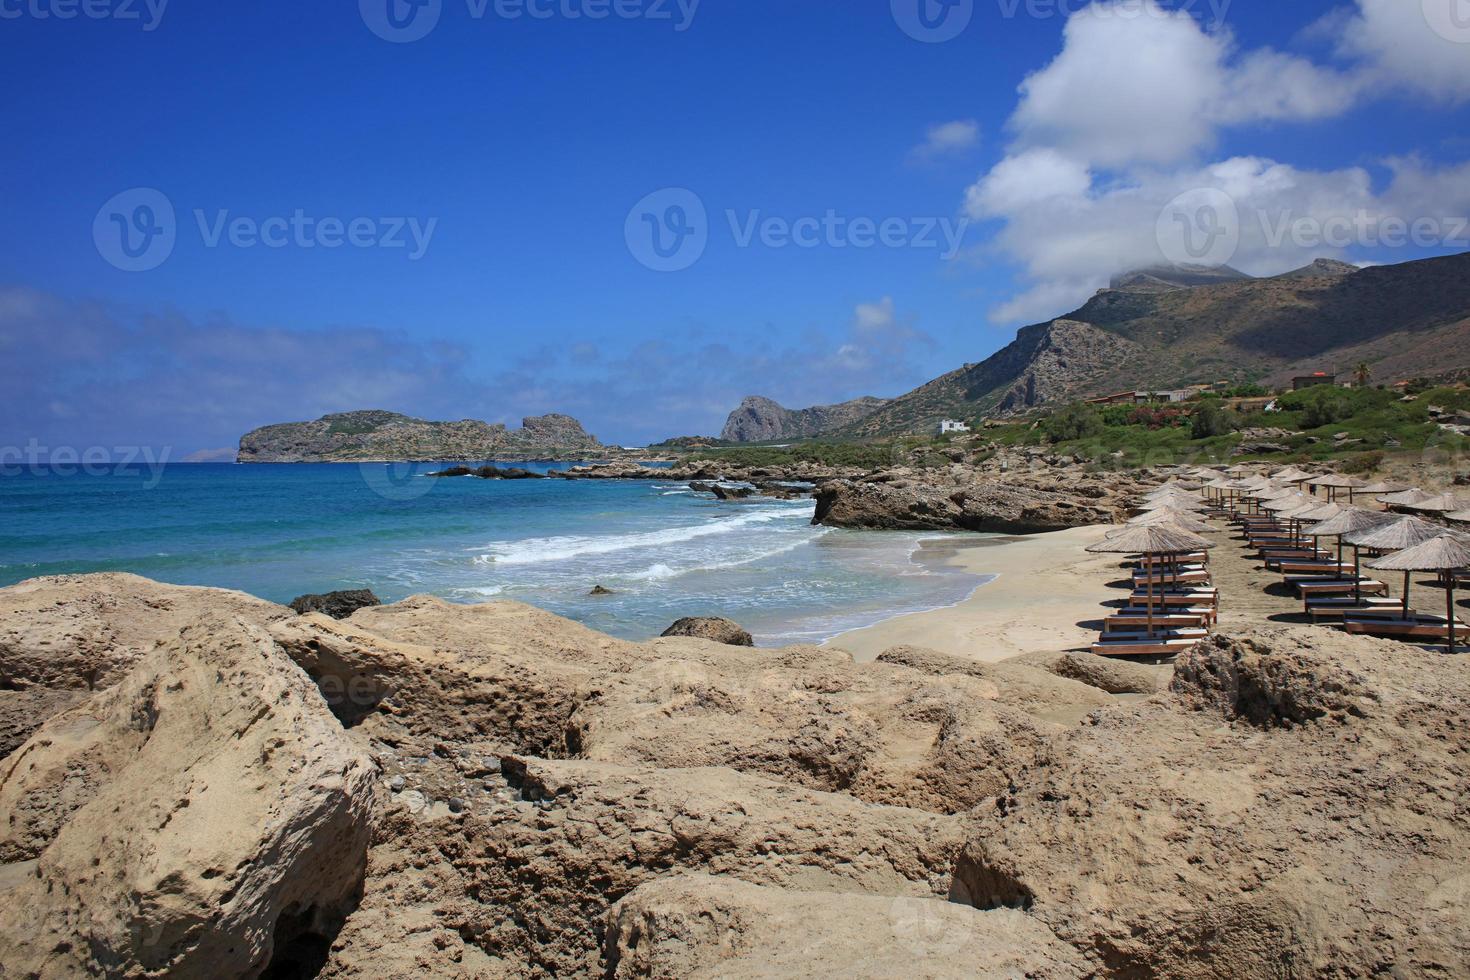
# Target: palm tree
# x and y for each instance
(1362, 374)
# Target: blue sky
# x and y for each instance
(1053, 135)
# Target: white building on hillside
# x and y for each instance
(950, 425)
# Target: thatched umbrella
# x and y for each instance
(1446, 553)
(1150, 540)
(1352, 520)
(1384, 486)
(1314, 514)
(1445, 503)
(1175, 503)
(1291, 475)
(1405, 497)
(1334, 482)
(1399, 534)
(1173, 518)
(1462, 516)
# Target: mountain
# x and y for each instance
(390, 437)
(1166, 278)
(762, 420)
(1407, 320)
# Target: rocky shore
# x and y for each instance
(1007, 491)
(209, 785)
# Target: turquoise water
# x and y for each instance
(278, 531)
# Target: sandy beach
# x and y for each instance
(1048, 586)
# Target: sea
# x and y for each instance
(665, 551)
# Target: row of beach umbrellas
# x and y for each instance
(1172, 516)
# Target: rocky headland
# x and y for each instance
(759, 419)
(423, 789)
(377, 436)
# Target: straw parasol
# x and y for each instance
(1399, 534)
(1291, 475)
(1172, 503)
(1241, 470)
(1173, 518)
(1351, 520)
(1405, 497)
(1150, 540)
(1445, 503)
(1334, 482)
(1462, 516)
(1445, 553)
(1385, 486)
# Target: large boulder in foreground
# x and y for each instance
(429, 677)
(519, 882)
(997, 507)
(1295, 806)
(83, 632)
(699, 926)
(203, 817)
(64, 636)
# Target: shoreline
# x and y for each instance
(1044, 586)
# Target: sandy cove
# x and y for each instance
(1048, 586)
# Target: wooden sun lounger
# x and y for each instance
(1340, 606)
(1314, 567)
(1161, 621)
(1192, 577)
(1176, 597)
(1395, 629)
(1172, 633)
(1147, 648)
(1395, 613)
(1312, 587)
(1196, 615)
(1155, 561)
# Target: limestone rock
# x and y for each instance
(1294, 806)
(810, 716)
(64, 636)
(203, 817)
(1104, 673)
(712, 628)
(697, 926)
(1034, 689)
(523, 882)
(338, 605)
(995, 506)
(83, 632)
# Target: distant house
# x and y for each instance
(950, 425)
(1313, 380)
(1145, 397)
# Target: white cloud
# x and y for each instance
(1135, 83)
(1119, 125)
(1419, 45)
(1070, 245)
(948, 138)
